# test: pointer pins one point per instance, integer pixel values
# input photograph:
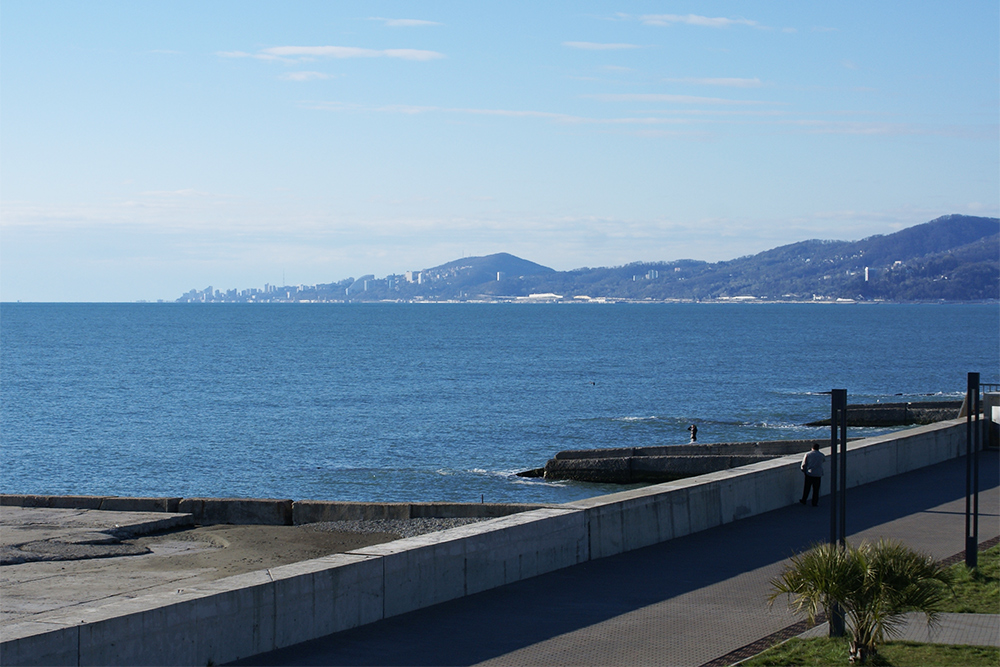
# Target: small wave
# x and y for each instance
(503, 474)
(773, 425)
(880, 397)
(855, 395)
(538, 481)
(490, 473)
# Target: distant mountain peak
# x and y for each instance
(502, 262)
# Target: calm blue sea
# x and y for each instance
(407, 402)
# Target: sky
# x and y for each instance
(148, 148)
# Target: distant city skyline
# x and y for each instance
(148, 148)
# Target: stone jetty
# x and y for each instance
(652, 465)
(898, 414)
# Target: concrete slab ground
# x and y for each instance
(687, 601)
(57, 559)
(37, 534)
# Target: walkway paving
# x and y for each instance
(688, 601)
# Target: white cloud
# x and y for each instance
(304, 76)
(860, 128)
(257, 56)
(694, 19)
(185, 193)
(730, 82)
(291, 54)
(676, 99)
(404, 23)
(595, 46)
(561, 118)
(348, 52)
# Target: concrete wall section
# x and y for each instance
(238, 510)
(428, 569)
(269, 511)
(315, 511)
(116, 504)
(319, 597)
(419, 571)
(509, 549)
(40, 644)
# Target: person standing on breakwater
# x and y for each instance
(694, 432)
(812, 467)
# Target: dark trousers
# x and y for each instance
(811, 482)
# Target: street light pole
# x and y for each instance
(972, 434)
(838, 489)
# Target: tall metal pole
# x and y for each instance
(972, 434)
(838, 489)
(834, 459)
(842, 398)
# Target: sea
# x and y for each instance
(438, 402)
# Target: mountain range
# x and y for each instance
(951, 258)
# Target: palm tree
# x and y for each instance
(874, 584)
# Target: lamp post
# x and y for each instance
(838, 488)
(972, 434)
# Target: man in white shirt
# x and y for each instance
(812, 467)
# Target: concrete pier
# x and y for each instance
(653, 465)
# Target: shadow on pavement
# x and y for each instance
(496, 622)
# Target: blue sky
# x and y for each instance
(147, 148)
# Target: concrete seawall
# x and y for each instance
(248, 614)
(266, 511)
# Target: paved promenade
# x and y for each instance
(688, 601)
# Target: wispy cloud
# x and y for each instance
(694, 19)
(596, 46)
(304, 76)
(731, 82)
(349, 52)
(182, 193)
(304, 53)
(244, 54)
(563, 118)
(404, 23)
(676, 99)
